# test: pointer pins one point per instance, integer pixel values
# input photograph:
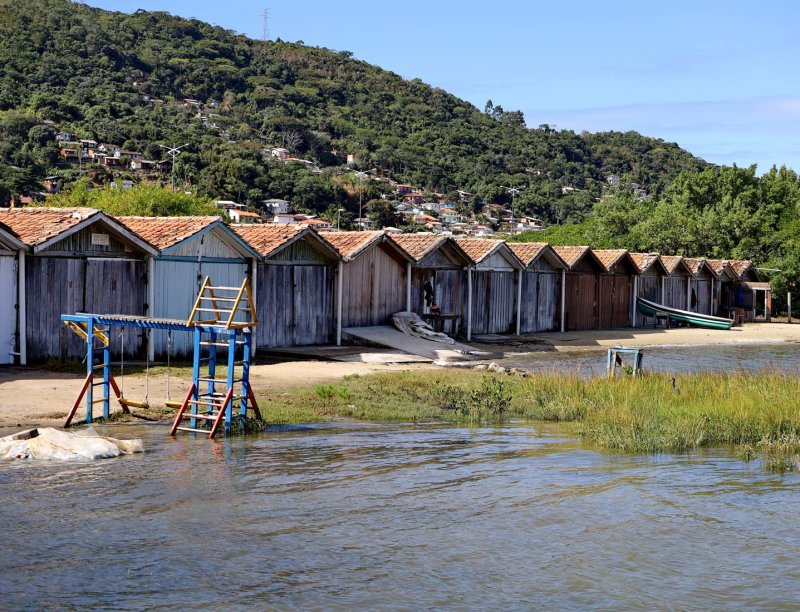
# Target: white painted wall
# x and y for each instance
(8, 312)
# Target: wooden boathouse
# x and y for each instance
(12, 301)
(675, 292)
(723, 297)
(189, 249)
(294, 285)
(493, 287)
(543, 288)
(374, 276)
(747, 290)
(648, 283)
(438, 290)
(79, 260)
(702, 286)
(615, 288)
(581, 287)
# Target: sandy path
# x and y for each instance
(31, 397)
(39, 398)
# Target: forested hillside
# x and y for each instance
(121, 78)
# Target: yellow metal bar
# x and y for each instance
(251, 304)
(235, 306)
(206, 282)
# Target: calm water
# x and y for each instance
(785, 356)
(397, 517)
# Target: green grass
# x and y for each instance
(758, 413)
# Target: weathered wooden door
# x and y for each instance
(312, 320)
(8, 309)
(541, 299)
(494, 297)
(581, 301)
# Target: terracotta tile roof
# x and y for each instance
(164, 232)
(671, 262)
(695, 265)
(477, 248)
(571, 254)
(643, 261)
(350, 244)
(418, 246)
(528, 251)
(34, 225)
(740, 266)
(266, 237)
(609, 257)
(718, 265)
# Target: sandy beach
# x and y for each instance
(34, 397)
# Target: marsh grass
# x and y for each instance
(756, 413)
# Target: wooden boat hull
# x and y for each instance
(648, 308)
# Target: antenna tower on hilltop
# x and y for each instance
(265, 25)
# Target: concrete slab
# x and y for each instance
(384, 335)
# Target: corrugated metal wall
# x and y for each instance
(295, 305)
(494, 295)
(541, 302)
(8, 310)
(374, 289)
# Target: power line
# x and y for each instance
(173, 152)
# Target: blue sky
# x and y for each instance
(719, 78)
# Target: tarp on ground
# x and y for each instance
(412, 324)
(56, 445)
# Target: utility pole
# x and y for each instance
(514, 191)
(265, 25)
(361, 176)
(173, 152)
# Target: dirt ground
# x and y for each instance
(31, 397)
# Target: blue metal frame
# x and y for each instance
(214, 333)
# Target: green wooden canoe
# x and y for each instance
(648, 308)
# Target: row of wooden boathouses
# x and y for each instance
(310, 287)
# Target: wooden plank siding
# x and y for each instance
(450, 294)
(374, 288)
(494, 295)
(675, 291)
(614, 301)
(649, 289)
(581, 298)
(295, 305)
(541, 301)
(700, 298)
(60, 285)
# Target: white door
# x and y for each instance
(8, 311)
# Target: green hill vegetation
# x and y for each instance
(122, 78)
